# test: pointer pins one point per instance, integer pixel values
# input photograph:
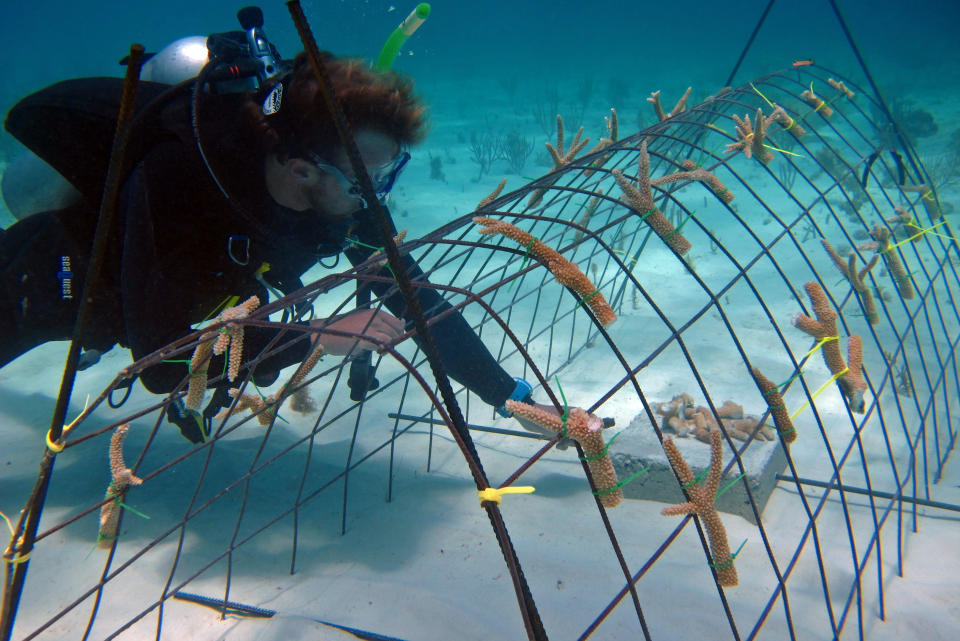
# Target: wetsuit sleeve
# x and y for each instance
(466, 358)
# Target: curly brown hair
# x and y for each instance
(382, 101)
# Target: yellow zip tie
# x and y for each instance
(783, 151)
(16, 560)
(817, 393)
(56, 448)
(496, 494)
(761, 95)
(816, 97)
(820, 343)
(9, 524)
(918, 234)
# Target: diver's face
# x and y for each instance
(336, 191)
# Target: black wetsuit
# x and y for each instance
(180, 248)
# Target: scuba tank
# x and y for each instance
(69, 126)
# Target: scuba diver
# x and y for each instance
(236, 182)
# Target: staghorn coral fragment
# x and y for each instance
(493, 194)
(694, 173)
(566, 273)
(778, 409)
(841, 87)
(589, 434)
(122, 478)
(819, 105)
(266, 407)
(231, 336)
(781, 117)
(751, 137)
(824, 329)
(849, 269)
(561, 158)
(681, 105)
(701, 497)
(640, 200)
(900, 275)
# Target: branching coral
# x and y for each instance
(566, 273)
(266, 407)
(692, 173)
(841, 87)
(824, 329)
(778, 409)
(751, 137)
(561, 158)
(892, 260)
(781, 117)
(121, 479)
(702, 496)
(681, 105)
(640, 199)
(819, 105)
(228, 339)
(849, 269)
(589, 434)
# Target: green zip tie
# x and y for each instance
(729, 485)
(604, 452)
(275, 405)
(620, 484)
(116, 498)
(566, 410)
(696, 479)
(644, 216)
(589, 296)
(786, 382)
(526, 257)
(676, 229)
(724, 566)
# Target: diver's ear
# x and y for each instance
(299, 169)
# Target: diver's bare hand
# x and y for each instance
(379, 327)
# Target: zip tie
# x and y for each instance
(495, 495)
(917, 235)
(566, 410)
(116, 498)
(783, 151)
(696, 479)
(783, 384)
(526, 257)
(9, 524)
(57, 447)
(18, 559)
(820, 343)
(588, 296)
(603, 452)
(729, 485)
(620, 484)
(677, 228)
(760, 94)
(724, 566)
(822, 387)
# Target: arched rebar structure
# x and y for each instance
(697, 323)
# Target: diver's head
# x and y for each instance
(327, 183)
(307, 166)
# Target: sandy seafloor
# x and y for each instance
(425, 565)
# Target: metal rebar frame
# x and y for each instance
(703, 320)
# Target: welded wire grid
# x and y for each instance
(695, 324)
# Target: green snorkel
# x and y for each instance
(396, 39)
